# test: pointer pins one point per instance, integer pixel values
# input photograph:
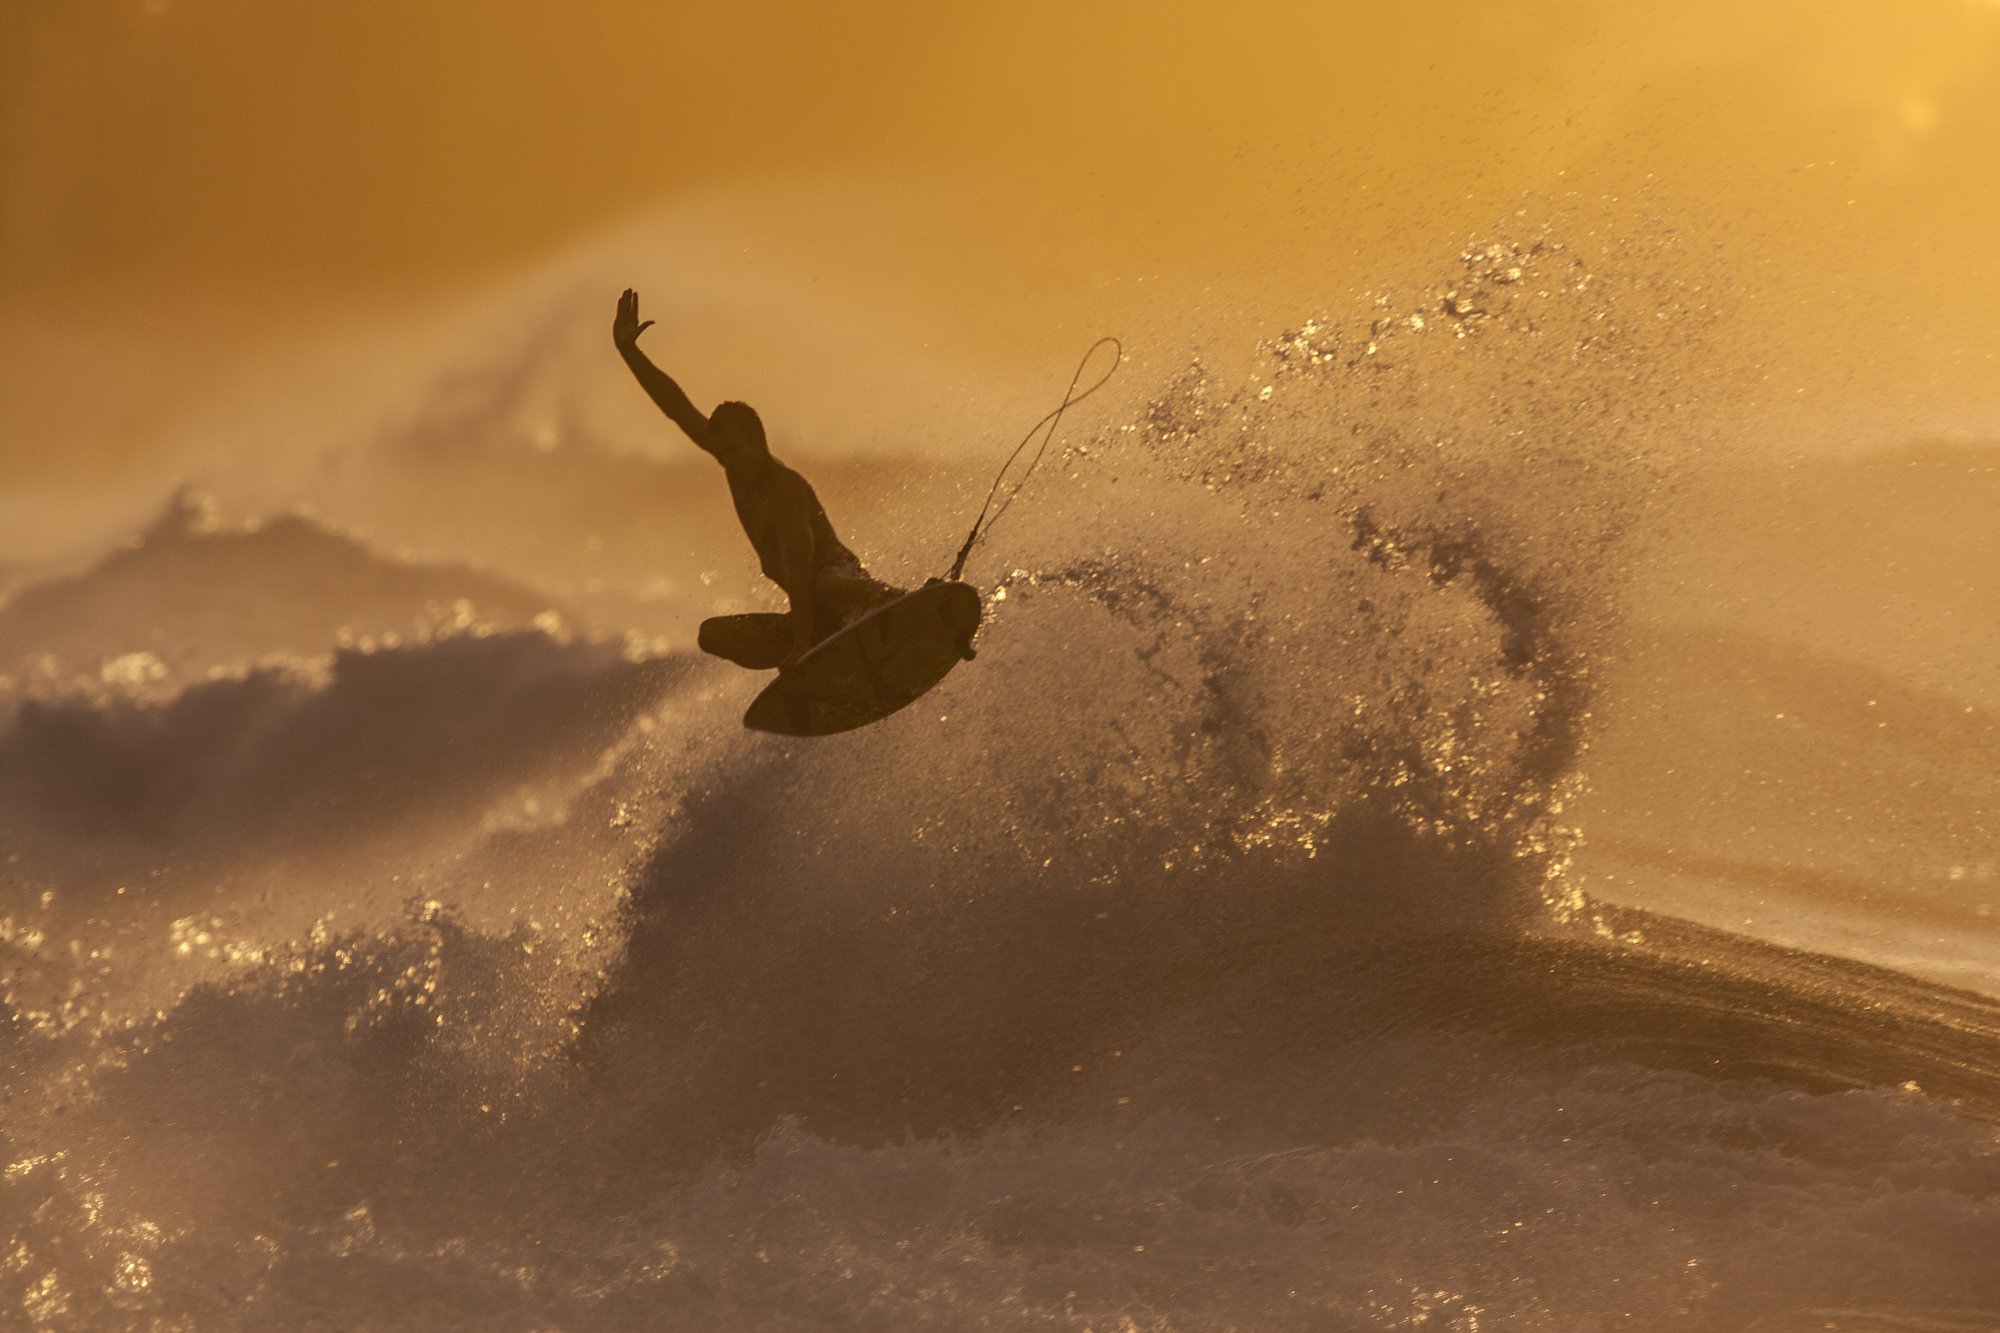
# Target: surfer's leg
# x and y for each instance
(846, 596)
(759, 641)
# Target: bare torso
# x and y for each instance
(772, 501)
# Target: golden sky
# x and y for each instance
(184, 179)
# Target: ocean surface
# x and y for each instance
(1441, 833)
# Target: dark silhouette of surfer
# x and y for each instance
(795, 543)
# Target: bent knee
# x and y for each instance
(758, 642)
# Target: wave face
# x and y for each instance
(400, 933)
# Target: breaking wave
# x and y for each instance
(409, 951)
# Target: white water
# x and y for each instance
(400, 932)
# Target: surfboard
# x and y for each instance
(873, 667)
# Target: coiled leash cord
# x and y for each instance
(982, 525)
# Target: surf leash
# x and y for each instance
(982, 525)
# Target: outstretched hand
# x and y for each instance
(625, 325)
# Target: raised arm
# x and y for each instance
(659, 386)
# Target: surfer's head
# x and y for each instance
(736, 432)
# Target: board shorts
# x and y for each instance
(843, 592)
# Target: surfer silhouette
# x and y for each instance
(787, 525)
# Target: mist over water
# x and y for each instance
(1474, 807)
(401, 932)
